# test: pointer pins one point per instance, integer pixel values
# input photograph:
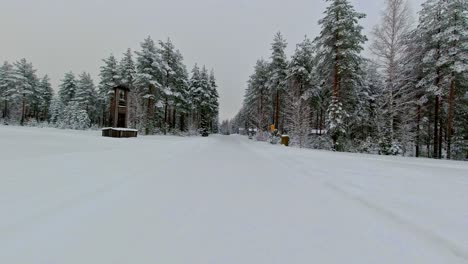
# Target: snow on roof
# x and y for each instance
(120, 129)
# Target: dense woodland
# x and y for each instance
(408, 97)
(164, 97)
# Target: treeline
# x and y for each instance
(164, 97)
(409, 98)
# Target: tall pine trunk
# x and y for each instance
(440, 137)
(174, 116)
(23, 109)
(436, 128)
(277, 110)
(165, 117)
(418, 131)
(5, 110)
(450, 118)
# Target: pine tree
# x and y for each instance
(67, 91)
(7, 88)
(214, 105)
(339, 61)
(257, 100)
(196, 97)
(127, 72)
(455, 58)
(205, 107)
(169, 65)
(86, 96)
(430, 28)
(278, 76)
(56, 110)
(46, 95)
(368, 128)
(300, 92)
(301, 67)
(26, 83)
(182, 93)
(148, 73)
(110, 78)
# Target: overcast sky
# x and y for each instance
(58, 36)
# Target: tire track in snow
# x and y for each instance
(426, 234)
(318, 175)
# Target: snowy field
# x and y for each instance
(75, 197)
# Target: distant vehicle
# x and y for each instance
(204, 134)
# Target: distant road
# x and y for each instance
(75, 197)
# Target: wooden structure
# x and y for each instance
(118, 118)
(119, 132)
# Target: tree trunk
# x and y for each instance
(450, 118)
(148, 116)
(436, 128)
(336, 80)
(428, 141)
(5, 110)
(165, 118)
(260, 121)
(321, 121)
(23, 109)
(149, 113)
(277, 112)
(418, 131)
(182, 122)
(317, 125)
(174, 121)
(439, 156)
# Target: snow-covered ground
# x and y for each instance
(75, 197)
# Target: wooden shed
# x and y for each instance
(118, 112)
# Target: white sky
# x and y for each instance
(228, 35)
